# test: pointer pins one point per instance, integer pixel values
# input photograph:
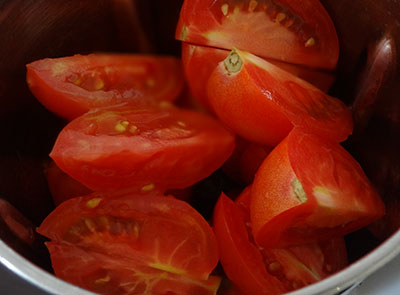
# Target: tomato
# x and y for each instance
(289, 31)
(262, 103)
(258, 270)
(147, 235)
(133, 149)
(62, 186)
(107, 275)
(70, 86)
(200, 61)
(309, 188)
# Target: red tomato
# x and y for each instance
(131, 149)
(70, 86)
(267, 271)
(62, 186)
(200, 61)
(288, 30)
(109, 275)
(159, 233)
(262, 103)
(308, 189)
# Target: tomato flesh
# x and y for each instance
(308, 189)
(71, 86)
(262, 103)
(153, 231)
(289, 31)
(133, 149)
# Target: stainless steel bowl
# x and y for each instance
(368, 80)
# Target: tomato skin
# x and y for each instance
(168, 148)
(200, 61)
(107, 275)
(63, 187)
(309, 188)
(262, 103)
(228, 24)
(71, 86)
(162, 232)
(241, 260)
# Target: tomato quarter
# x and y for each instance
(286, 30)
(71, 86)
(308, 189)
(133, 149)
(262, 103)
(257, 270)
(153, 232)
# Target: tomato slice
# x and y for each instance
(258, 270)
(309, 188)
(262, 103)
(162, 232)
(285, 30)
(133, 149)
(63, 187)
(70, 86)
(108, 275)
(200, 61)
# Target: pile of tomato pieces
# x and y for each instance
(258, 72)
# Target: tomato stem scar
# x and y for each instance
(233, 63)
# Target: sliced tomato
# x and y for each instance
(309, 188)
(258, 270)
(200, 61)
(262, 103)
(161, 232)
(133, 149)
(71, 86)
(108, 275)
(285, 30)
(63, 187)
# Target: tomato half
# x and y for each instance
(71, 86)
(133, 149)
(258, 270)
(286, 30)
(63, 187)
(262, 103)
(155, 232)
(200, 61)
(308, 189)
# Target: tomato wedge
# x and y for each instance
(133, 149)
(71, 86)
(262, 103)
(108, 275)
(159, 232)
(309, 188)
(268, 271)
(200, 61)
(286, 30)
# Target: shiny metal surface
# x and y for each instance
(368, 80)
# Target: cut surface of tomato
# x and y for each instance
(109, 275)
(257, 270)
(133, 149)
(285, 30)
(158, 231)
(262, 103)
(71, 86)
(309, 188)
